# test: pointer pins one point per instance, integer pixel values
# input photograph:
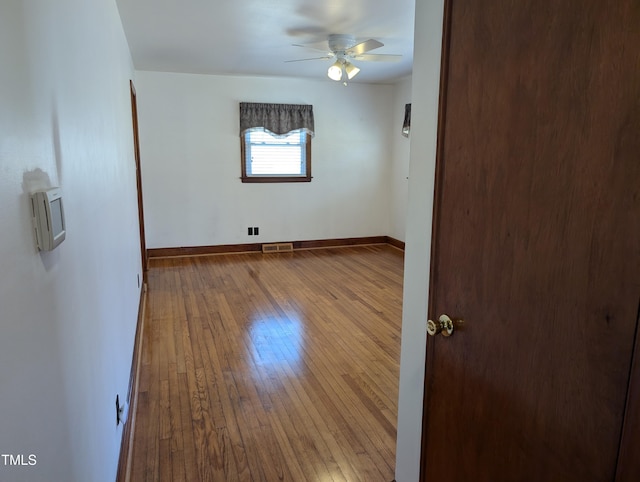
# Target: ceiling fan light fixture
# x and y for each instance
(335, 71)
(343, 49)
(351, 70)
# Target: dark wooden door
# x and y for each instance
(536, 241)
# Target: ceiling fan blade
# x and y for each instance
(377, 57)
(363, 47)
(319, 46)
(328, 57)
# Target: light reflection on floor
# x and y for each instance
(277, 342)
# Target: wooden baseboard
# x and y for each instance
(336, 243)
(203, 250)
(126, 445)
(396, 243)
(257, 247)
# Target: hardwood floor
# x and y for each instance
(271, 367)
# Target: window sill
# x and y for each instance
(266, 179)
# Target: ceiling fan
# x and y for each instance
(344, 49)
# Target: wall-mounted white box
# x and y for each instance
(48, 218)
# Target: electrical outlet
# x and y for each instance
(256, 230)
(250, 231)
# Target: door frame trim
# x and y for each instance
(437, 197)
(136, 146)
(628, 466)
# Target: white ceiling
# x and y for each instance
(255, 37)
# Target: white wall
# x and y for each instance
(424, 120)
(399, 180)
(67, 317)
(190, 149)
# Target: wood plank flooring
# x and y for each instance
(271, 367)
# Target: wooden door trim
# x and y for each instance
(628, 468)
(136, 146)
(437, 198)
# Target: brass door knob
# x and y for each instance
(444, 325)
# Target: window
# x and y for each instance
(275, 142)
(270, 158)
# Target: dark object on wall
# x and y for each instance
(406, 125)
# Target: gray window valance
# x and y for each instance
(406, 125)
(278, 119)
